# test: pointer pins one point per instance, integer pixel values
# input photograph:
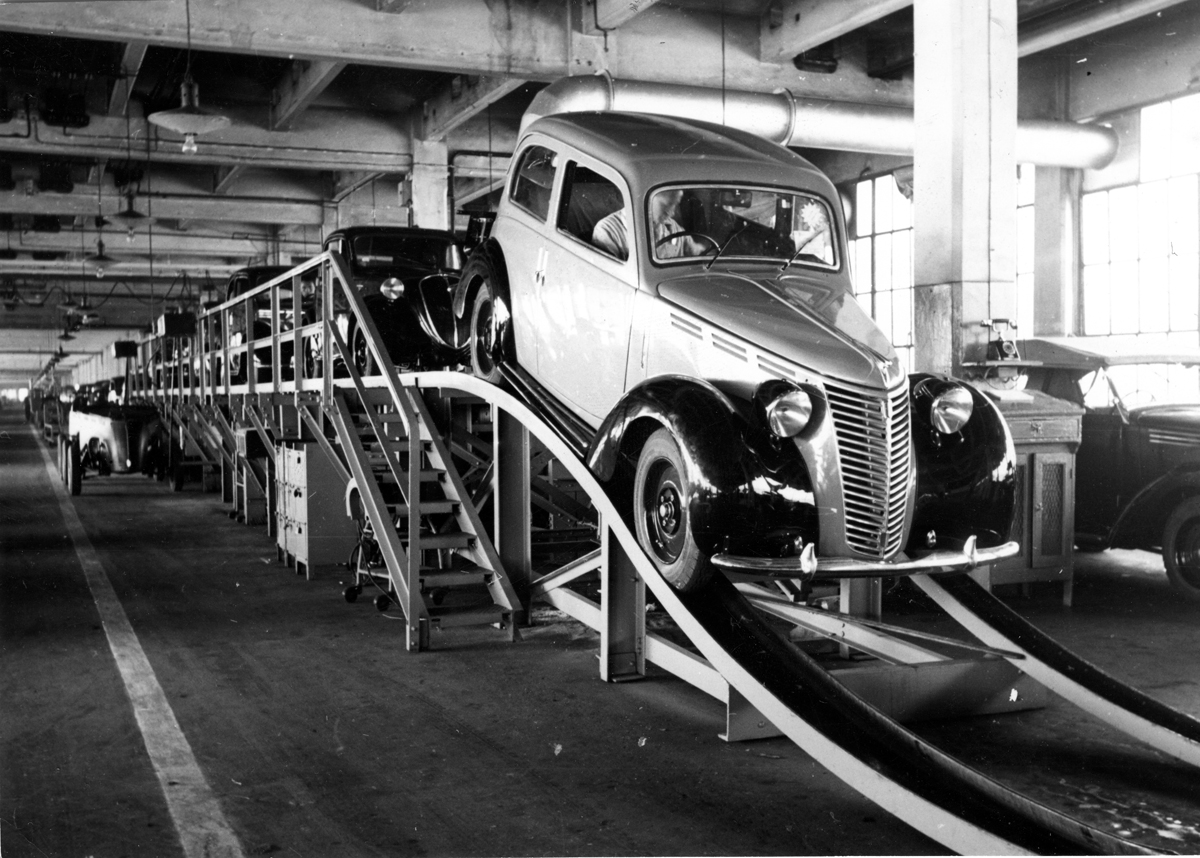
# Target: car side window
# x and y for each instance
(593, 210)
(533, 181)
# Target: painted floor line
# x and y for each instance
(203, 830)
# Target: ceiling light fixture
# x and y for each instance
(129, 215)
(188, 119)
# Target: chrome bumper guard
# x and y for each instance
(807, 566)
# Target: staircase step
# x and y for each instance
(427, 476)
(447, 617)
(441, 540)
(429, 580)
(428, 507)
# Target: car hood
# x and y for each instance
(802, 319)
(1180, 418)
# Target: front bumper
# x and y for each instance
(807, 566)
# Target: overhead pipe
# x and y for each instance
(810, 122)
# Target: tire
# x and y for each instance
(364, 362)
(74, 468)
(660, 513)
(483, 345)
(1181, 548)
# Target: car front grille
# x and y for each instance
(873, 433)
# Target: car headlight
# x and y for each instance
(951, 409)
(392, 288)
(788, 413)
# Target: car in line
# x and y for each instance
(406, 277)
(1138, 464)
(683, 290)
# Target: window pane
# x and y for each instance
(1025, 261)
(1025, 186)
(902, 259)
(1122, 223)
(901, 209)
(1095, 300)
(862, 268)
(1094, 227)
(1124, 297)
(864, 215)
(1025, 304)
(1152, 283)
(884, 186)
(1185, 292)
(1183, 204)
(902, 316)
(883, 262)
(1153, 220)
(883, 313)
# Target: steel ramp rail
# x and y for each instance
(1030, 650)
(951, 803)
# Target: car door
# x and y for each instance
(521, 229)
(586, 296)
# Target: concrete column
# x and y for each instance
(964, 213)
(1055, 248)
(431, 184)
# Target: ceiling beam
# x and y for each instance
(200, 245)
(303, 82)
(611, 14)
(791, 27)
(131, 64)
(465, 97)
(328, 140)
(170, 206)
(225, 178)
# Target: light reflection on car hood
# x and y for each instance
(803, 319)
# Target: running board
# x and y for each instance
(1066, 674)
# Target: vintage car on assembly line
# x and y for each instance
(110, 439)
(406, 278)
(684, 290)
(1138, 465)
(241, 282)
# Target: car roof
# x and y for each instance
(352, 232)
(1088, 353)
(650, 150)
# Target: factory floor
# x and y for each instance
(168, 688)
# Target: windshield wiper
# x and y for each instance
(799, 250)
(728, 241)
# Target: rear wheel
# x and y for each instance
(661, 519)
(1181, 548)
(74, 467)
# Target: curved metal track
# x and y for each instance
(947, 800)
(1066, 674)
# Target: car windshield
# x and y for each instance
(1141, 384)
(405, 251)
(740, 222)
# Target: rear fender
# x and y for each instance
(490, 253)
(1140, 523)
(750, 492)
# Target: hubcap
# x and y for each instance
(664, 512)
(485, 336)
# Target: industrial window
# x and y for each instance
(881, 250)
(1025, 250)
(1140, 237)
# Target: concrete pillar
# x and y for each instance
(431, 184)
(964, 212)
(1056, 273)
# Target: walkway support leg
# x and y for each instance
(511, 502)
(622, 611)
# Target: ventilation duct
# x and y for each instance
(810, 122)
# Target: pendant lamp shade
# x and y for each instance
(188, 118)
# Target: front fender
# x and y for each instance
(750, 492)
(966, 482)
(1140, 523)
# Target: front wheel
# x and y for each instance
(661, 519)
(364, 362)
(484, 335)
(1181, 548)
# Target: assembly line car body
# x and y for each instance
(736, 391)
(405, 276)
(1138, 463)
(116, 439)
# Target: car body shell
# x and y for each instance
(1133, 465)
(415, 327)
(114, 438)
(632, 344)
